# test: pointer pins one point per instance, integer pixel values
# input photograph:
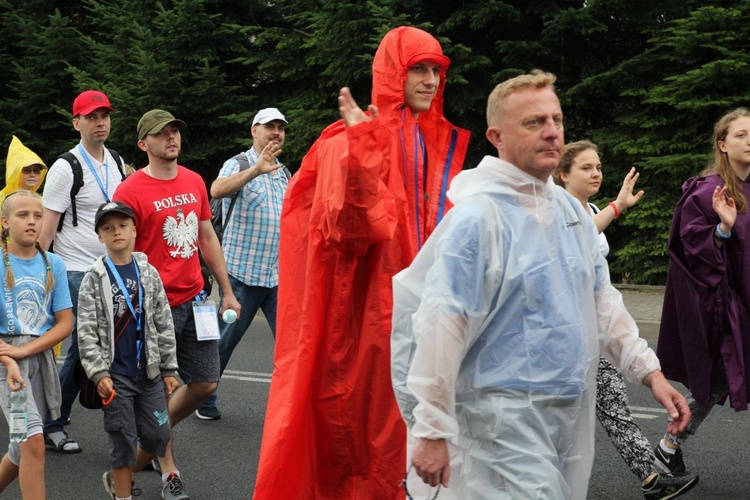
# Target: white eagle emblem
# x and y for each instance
(181, 233)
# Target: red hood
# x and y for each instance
(400, 49)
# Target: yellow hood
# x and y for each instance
(19, 156)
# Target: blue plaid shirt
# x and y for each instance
(251, 237)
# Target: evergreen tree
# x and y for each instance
(36, 88)
(662, 105)
(177, 56)
(307, 52)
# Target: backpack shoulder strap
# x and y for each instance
(244, 165)
(118, 161)
(243, 160)
(75, 167)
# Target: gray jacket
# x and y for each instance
(96, 332)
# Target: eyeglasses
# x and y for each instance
(31, 170)
(406, 490)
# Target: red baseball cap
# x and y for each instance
(90, 100)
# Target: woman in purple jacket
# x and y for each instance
(701, 342)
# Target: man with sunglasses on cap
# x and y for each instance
(69, 223)
(255, 182)
(172, 212)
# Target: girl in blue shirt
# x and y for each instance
(36, 314)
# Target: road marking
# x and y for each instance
(266, 378)
(652, 412)
(228, 374)
(238, 372)
(247, 376)
(246, 379)
(648, 408)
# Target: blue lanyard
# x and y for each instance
(124, 290)
(125, 294)
(419, 146)
(103, 187)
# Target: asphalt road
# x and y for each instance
(218, 459)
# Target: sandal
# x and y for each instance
(60, 447)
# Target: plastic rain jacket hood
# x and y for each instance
(510, 295)
(353, 216)
(19, 156)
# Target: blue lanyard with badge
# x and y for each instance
(206, 321)
(103, 187)
(137, 315)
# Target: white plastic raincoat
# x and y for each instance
(498, 323)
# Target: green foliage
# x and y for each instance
(668, 98)
(171, 55)
(36, 59)
(312, 50)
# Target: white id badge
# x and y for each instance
(206, 321)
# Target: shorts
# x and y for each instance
(198, 360)
(138, 412)
(36, 402)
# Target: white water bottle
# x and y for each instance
(19, 418)
(229, 316)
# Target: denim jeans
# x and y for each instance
(68, 384)
(251, 298)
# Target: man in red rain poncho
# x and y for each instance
(369, 193)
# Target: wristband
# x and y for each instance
(721, 235)
(614, 207)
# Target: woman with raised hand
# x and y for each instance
(705, 318)
(580, 173)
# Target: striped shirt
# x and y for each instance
(251, 237)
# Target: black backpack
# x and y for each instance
(216, 203)
(88, 395)
(75, 166)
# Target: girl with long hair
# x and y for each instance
(703, 339)
(37, 314)
(580, 173)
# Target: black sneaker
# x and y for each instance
(669, 463)
(666, 486)
(208, 413)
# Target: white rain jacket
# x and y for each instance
(510, 299)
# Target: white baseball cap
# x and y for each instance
(268, 115)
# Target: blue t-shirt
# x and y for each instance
(129, 342)
(27, 309)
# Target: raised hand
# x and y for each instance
(725, 208)
(266, 161)
(350, 112)
(626, 198)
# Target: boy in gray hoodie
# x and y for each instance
(127, 347)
